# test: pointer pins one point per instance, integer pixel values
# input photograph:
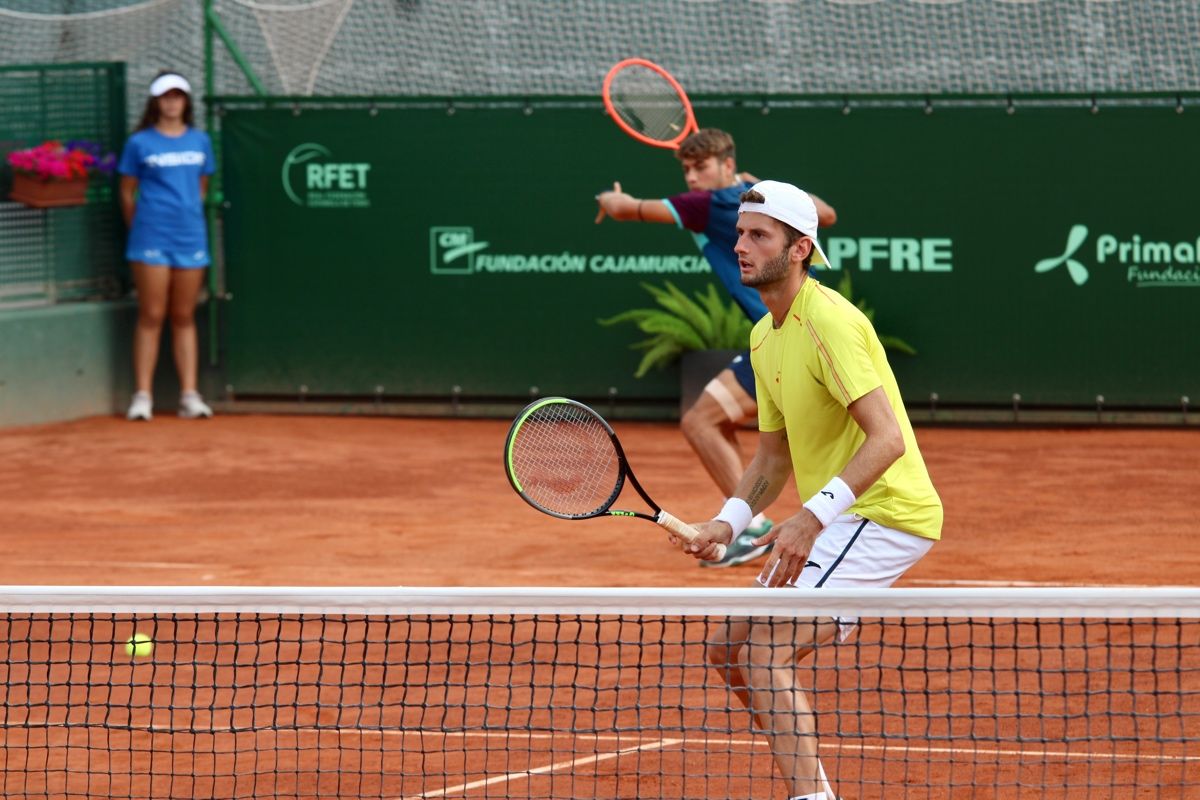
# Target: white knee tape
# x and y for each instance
(726, 400)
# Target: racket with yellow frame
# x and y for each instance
(565, 460)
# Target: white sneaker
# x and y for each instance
(141, 407)
(192, 406)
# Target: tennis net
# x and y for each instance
(579, 693)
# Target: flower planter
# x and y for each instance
(49, 193)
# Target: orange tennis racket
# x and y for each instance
(648, 103)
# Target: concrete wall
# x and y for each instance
(74, 360)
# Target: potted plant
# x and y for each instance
(54, 174)
(703, 333)
(706, 333)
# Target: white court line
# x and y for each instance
(709, 741)
(1066, 755)
(576, 762)
(114, 564)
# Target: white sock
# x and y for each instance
(758, 520)
(813, 796)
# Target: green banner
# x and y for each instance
(1049, 253)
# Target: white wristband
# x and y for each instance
(831, 502)
(737, 513)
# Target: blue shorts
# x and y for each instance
(744, 372)
(187, 258)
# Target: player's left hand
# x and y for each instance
(704, 547)
(793, 539)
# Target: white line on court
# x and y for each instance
(113, 564)
(709, 741)
(575, 762)
(864, 748)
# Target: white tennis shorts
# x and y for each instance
(854, 552)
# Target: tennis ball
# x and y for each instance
(139, 646)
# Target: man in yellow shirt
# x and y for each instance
(709, 211)
(829, 412)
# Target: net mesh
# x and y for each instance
(556, 47)
(592, 693)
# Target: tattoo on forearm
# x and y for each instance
(757, 491)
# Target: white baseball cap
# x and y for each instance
(791, 206)
(165, 83)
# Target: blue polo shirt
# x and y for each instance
(712, 217)
(169, 218)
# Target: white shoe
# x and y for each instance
(192, 406)
(141, 407)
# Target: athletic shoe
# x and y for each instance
(192, 406)
(743, 549)
(140, 408)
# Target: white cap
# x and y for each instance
(791, 206)
(165, 83)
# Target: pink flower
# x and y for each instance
(52, 160)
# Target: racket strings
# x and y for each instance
(648, 103)
(565, 460)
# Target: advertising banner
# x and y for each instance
(1052, 252)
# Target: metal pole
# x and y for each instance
(214, 188)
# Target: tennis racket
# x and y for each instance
(565, 461)
(648, 103)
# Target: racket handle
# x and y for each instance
(682, 529)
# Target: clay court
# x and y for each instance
(289, 500)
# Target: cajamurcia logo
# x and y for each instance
(452, 250)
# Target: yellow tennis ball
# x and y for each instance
(139, 646)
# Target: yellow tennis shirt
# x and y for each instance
(822, 358)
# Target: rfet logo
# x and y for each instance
(311, 178)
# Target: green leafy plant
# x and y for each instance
(846, 290)
(681, 324)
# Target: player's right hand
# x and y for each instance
(603, 197)
(704, 547)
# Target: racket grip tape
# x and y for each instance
(683, 530)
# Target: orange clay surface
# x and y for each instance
(367, 501)
(356, 501)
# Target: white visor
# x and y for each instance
(792, 207)
(165, 83)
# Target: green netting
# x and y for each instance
(557, 47)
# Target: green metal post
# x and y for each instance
(213, 25)
(215, 195)
(214, 29)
